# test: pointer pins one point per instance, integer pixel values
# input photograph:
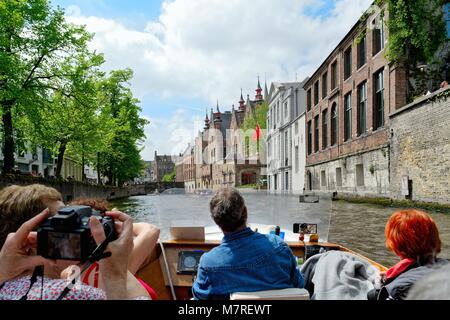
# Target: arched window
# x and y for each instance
(334, 124)
(348, 117)
(324, 129)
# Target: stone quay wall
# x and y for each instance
(420, 150)
(360, 175)
(75, 190)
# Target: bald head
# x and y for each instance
(228, 210)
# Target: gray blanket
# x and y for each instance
(337, 275)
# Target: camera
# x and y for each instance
(67, 235)
(305, 228)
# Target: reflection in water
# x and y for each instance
(361, 228)
(357, 227)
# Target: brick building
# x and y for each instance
(221, 154)
(349, 99)
(179, 169)
(244, 165)
(162, 165)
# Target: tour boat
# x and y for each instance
(163, 274)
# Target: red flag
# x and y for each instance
(258, 133)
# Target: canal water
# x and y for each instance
(355, 226)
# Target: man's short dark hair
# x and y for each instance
(228, 210)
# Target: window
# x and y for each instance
(309, 137)
(347, 63)
(339, 177)
(379, 100)
(334, 124)
(286, 110)
(297, 163)
(46, 156)
(296, 128)
(316, 92)
(21, 151)
(362, 52)
(316, 135)
(360, 175)
(378, 37)
(247, 147)
(287, 181)
(362, 108)
(23, 167)
(348, 117)
(334, 76)
(323, 178)
(325, 85)
(308, 100)
(324, 129)
(278, 112)
(286, 148)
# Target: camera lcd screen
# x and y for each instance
(65, 246)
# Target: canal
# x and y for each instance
(355, 226)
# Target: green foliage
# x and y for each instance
(53, 94)
(170, 177)
(258, 117)
(37, 48)
(120, 155)
(417, 34)
(417, 30)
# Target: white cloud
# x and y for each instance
(171, 135)
(209, 49)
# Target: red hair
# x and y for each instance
(413, 234)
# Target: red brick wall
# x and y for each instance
(394, 96)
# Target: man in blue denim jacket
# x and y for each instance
(245, 261)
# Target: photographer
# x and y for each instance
(20, 203)
(16, 265)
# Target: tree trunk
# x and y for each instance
(8, 137)
(8, 129)
(99, 178)
(110, 178)
(62, 150)
(83, 174)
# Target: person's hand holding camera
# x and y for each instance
(15, 257)
(114, 270)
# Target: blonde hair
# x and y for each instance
(19, 204)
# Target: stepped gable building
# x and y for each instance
(244, 166)
(162, 165)
(349, 99)
(219, 153)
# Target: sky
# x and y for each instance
(189, 54)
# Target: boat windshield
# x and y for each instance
(178, 208)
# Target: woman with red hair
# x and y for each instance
(414, 237)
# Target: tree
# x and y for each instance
(417, 31)
(252, 120)
(120, 158)
(170, 177)
(258, 117)
(68, 120)
(35, 44)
